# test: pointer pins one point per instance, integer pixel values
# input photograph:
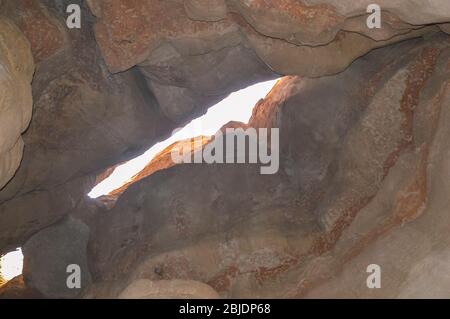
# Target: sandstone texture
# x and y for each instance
(165, 289)
(81, 114)
(161, 161)
(197, 43)
(48, 255)
(16, 72)
(364, 171)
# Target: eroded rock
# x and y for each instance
(16, 72)
(363, 146)
(197, 52)
(207, 10)
(17, 289)
(84, 120)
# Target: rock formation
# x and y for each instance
(50, 255)
(363, 174)
(162, 289)
(16, 72)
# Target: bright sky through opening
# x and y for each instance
(11, 264)
(238, 106)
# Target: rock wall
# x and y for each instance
(84, 120)
(51, 255)
(195, 53)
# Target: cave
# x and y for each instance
(357, 208)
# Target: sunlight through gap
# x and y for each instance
(11, 265)
(238, 106)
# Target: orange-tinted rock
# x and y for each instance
(364, 169)
(168, 289)
(162, 160)
(194, 53)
